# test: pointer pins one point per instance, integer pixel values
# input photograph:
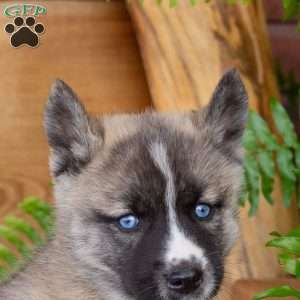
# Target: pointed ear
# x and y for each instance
(228, 110)
(68, 130)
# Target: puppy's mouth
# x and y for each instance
(173, 297)
(176, 291)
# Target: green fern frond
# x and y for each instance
(12, 237)
(268, 155)
(22, 227)
(289, 259)
(14, 229)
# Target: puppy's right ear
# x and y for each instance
(68, 130)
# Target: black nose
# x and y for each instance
(184, 281)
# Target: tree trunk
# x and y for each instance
(185, 52)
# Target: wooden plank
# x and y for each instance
(89, 44)
(185, 51)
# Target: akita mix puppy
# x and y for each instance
(146, 203)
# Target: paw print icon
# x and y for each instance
(24, 32)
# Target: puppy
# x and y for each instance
(147, 203)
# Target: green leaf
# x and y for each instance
(252, 182)
(297, 269)
(266, 163)
(285, 257)
(287, 174)
(297, 161)
(249, 140)
(283, 123)
(294, 232)
(290, 9)
(290, 244)
(15, 240)
(267, 168)
(285, 163)
(24, 228)
(15, 229)
(173, 3)
(280, 291)
(288, 188)
(37, 204)
(267, 185)
(262, 131)
(297, 155)
(7, 256)
(40, 211)
(290, 263)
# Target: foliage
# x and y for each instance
(267, 154)
(289, 258)
(22, 236)
(291, 8)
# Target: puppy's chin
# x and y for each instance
(159, 291)
(206, 292)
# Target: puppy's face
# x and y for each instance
(147, 204)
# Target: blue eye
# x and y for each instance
(128, 222)
(203, 211)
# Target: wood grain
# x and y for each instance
(185, 51)
(89, 44)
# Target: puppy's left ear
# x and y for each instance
(228, 110)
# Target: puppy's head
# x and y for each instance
(147, 203)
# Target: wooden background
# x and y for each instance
(182, 53)
(92, 47)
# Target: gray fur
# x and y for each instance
(103, 166)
